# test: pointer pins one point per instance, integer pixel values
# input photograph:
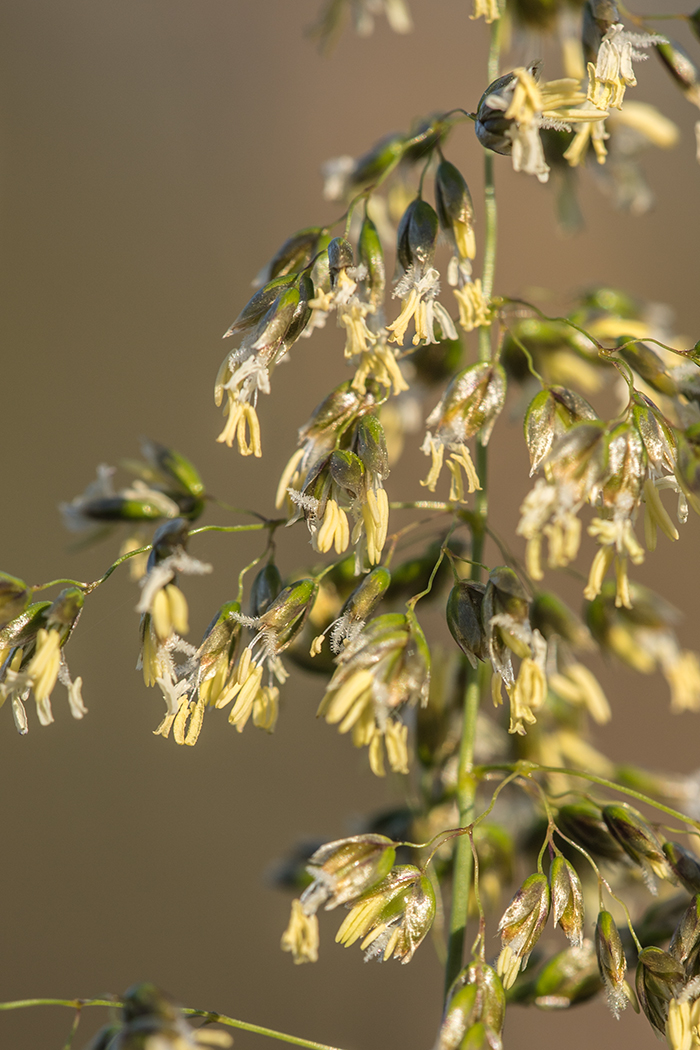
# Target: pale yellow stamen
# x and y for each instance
(334, 531)
(243, 426)
(623, 644)
(180, 722)
(196, 720)
(169, 612)
(287, 476)
(437, 451)
(301, 936)
(242, 709)
(335, 705)
(43, 667)
(486, 9)
(656, 515)
(601, 563)
(533, 558)
(375, 514)
(266, 708)
(399, 326)
(527, 696)
(396, 740)
(474, 310)
(683, 677)
(379, 364)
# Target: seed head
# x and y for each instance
(637, 839)
(345, 870)
(521, 925)
(393, 917)
(567, 900)
(611, 962)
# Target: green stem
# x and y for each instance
(423, 504)
(466, 781)
(238, 528)
(55, 583)
(464, 861)
(526, 768)
(212, 1018)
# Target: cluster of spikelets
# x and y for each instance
(378, 662)
(391, 908)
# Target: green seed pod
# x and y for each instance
(175, 467)
(432, 130)
(367, 595)
(370, 445)
(583, 822)
(680, 66)
(510, 595)
(686, 936)
(491, 1001)
(168, 538)
(649, 366)
(470, 405)
(465, 621)
(266, 586)
(333, 413)
(684, 864)
(626, 467)
(687, 468)
(455, 209)
(570, 977)
(611, 962)
(567, 899)
(64, 611)
(659, 979)
(506, 599)
(14, 597)
(491, 125)
(478, 1037)
(347, 471)
(598, 17)
(119, 508)
(375, 162)
(286, 319)
(220, 637)
(636, 838)
(345, 870)
(579, 457)
(257, 306)
(461, 1012)
(340, 257)
(19, 632)
(393, 917)
(287, 614)
(296, 253)
(521, 925)
(549, 415)
(658, 437)
(417, 235)
(371, 255)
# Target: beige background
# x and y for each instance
(154, 153)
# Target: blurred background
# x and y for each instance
(153, 155)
